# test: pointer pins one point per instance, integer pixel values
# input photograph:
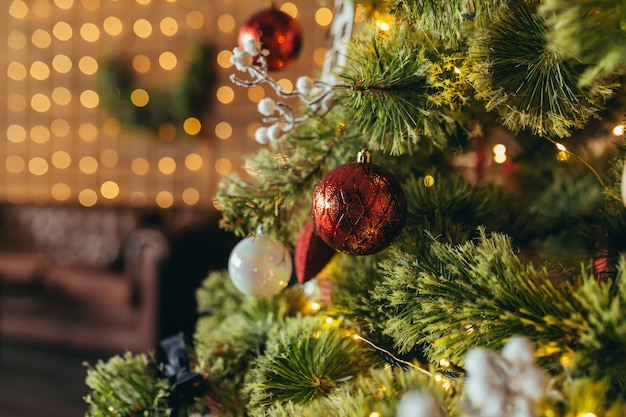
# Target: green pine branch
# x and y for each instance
(280, 179)
(304, 360)
(583, 394)
(399, 94)
(481, 293)
(227, 341)
(473, 294)
(602, 335)
(531, 86)
(451, 208)
(352, 294)
(449, 20)
(592, 32)
(377, 392)
(125, 386)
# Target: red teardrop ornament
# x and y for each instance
(311, 254)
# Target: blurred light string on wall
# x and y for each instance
(63, 144)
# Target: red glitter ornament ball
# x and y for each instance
(278, 32)
(359, 208)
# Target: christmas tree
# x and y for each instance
(470, 262)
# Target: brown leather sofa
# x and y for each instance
(78, 277)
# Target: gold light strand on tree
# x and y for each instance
(606, 188)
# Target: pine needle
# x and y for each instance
(531, 86)
(396, 94)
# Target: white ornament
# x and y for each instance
(519, 352)
(241, 59)
(418, 404)
(266, 106)
(314, 94)
(252, 46)
(274, 132)
(261, 136)
(304, 85)
(259, 266)
(509, 384)
(486, 383)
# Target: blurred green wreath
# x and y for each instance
(166, 109)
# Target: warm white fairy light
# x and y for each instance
(384, 26)
(499, 159)
(563, 154)
(499, 149)
(383, 21)
(499, 153)
(618, 130)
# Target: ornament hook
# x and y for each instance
(364, 156)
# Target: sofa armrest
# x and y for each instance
(145, 252)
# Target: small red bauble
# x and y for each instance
(359, 208)
(278, 32)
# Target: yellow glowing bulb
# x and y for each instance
(329, 320)
(563, 156)
(375, 414)
(499, 158)
(618, 130)
(586, 414)
(560, 147)
(443, 362)
(457, 70)
(140, 97)
(499, 149)
(384, 26)
(192, 126)
(383, 21)
(315, 306)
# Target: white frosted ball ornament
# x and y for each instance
(259, 266)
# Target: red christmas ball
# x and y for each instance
(278, 32)
(359, 208)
